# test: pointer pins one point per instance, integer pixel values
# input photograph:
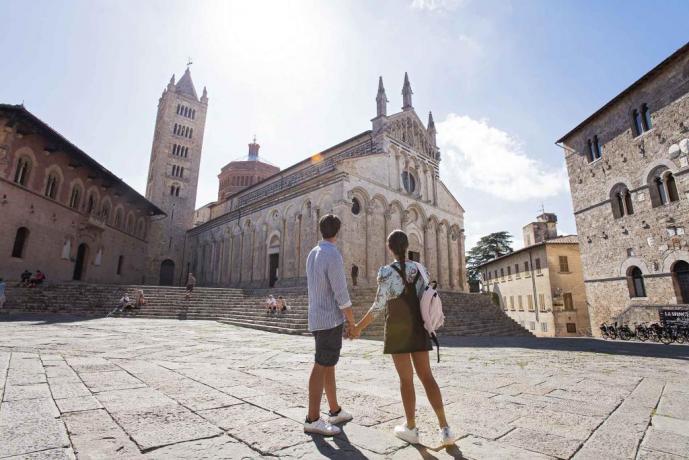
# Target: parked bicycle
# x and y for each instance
(654, 332)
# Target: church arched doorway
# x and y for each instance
(680, 278)
(80, 263)
(167, 272)
(273, 260)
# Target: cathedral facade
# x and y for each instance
(382, 179)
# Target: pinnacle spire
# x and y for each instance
(381, 100)
(431, 123)
(406, 94)
(186, 86)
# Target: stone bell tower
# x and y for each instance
(173, 176)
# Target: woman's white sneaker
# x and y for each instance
(410, 435)
(320, 426)
(341, 417)
(447, 437)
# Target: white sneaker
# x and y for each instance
(341, 417)
(405, 434)
(447, 437)
(320, 426)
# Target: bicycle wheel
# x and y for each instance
(666, 337)
(641, 335)
(680, 337)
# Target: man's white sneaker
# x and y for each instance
(340, 417)
(320, 426)
(447, 437)
(405, 434)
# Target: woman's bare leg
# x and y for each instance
(423, 370)
(405, 371)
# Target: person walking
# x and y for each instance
(400, 286)
(2, 293)
(191, 283)
(329, 308)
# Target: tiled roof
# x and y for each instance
(564, 239)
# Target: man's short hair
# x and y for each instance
(329, 225)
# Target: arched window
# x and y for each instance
(20, 240)
(680, 279)
(408, 181)
(75, 197)
(637, 127)
(635, 282)
(589, 151)
(51, 186)
(177, 191)
(178, 107)
(621, 201)
(130, 224)
(671, 186)
(191, 132)
(356, 206)
(597, 148)
(90, 204)
(646, 117)
(105, 212)
(118, 218)
(21, 174)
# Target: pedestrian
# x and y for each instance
(26, 278)
(355, 274)
(191, 282)
(140, 299)
(2, 293)
(329, 308)
(400, 286)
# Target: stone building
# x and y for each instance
(62, 212)
(173, 175)
(541, 286)
(240, 174)
(376, 181)
(628, 165)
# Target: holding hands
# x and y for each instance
(351, 331)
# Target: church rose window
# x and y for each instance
(409, 182)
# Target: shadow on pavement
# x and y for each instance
(345, 450)
(611, 347)
(39, 319)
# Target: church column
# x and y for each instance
(299, 237)
(449, 259)
(429, 185)
(241, 255)
(425, 244)
(283, 238)
(398, 181)
(437, 254)
(461, 270)
(252, 248)
(386, 220)
(435, 188)
(229, 261)
(367, 246)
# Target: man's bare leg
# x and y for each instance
(331, 389)
(316, 382)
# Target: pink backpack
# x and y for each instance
(431, 307)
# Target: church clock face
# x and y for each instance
(408, 181)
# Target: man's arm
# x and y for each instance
(338, 283)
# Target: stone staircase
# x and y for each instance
(465, 314)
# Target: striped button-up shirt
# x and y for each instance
(325, 277)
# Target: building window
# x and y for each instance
(529, 302)
(526, 266)
(408, 181)
(621, 201)
(502, 273)
(75, 197)
(571, 328)
(564, 264)
(20, 239)
(544, 327)
(662, 187)
(356, 206)
(636, 119)
(496, 273)
(519, 303)
(21, 175)
(541, 302)
(532, 325)
(569, 303)
(635, 282)
(594, 149)
(120, 262)
(512, 302)
(646, 117)
(51, 186)
(509, 270)
(516, 270)
(90, 204)
(538, 266)
(105, 212)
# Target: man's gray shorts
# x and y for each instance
(328, 345)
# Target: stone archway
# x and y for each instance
(680, 279)
(81, 262)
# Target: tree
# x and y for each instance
(488, 247)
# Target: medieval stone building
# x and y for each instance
(628, 169)
(379, 180)
(62, 212)
(173, 175)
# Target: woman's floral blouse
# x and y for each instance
(390, 285)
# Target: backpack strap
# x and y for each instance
(404, 278)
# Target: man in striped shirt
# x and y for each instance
(329, 308)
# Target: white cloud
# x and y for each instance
(484, 158)
(436, 5)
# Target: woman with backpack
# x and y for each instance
(400, 286)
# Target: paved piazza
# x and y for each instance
(163, 389)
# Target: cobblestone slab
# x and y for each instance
(131, 388)
(50, 454)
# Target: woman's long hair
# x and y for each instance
(398, 244)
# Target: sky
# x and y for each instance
(504, 79)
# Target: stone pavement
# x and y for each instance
(165, 389)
